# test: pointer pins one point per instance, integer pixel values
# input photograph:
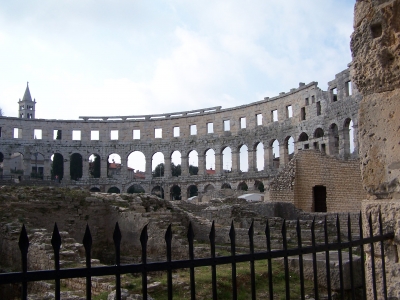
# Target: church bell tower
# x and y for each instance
(26, 108)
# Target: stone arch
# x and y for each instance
(192, 191)
(333, 139)
(114, 190)
(274, 153)
(136, 165)
(226, 186)
(193, 162)
(57, 166)
(209, 187)
(242, 186)
(75, 166)
(94, 165)
(243, 158)
(289, 148)
(114, 165)
(158, 191)
(210, 159)
(258, 185)
(135, 189)
(318, 133)
(259, 156)
(175, 192)
(303, 137)
(176, 163)
(37, 165)
(94, 189)
(158, 164)
(226, 153)
(16, 164)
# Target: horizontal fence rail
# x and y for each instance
(169, 265)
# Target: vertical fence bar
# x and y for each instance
(213, 266)
(364, 287)
(56, 243)
(232, 236)
(23, 244)
(270, 284)
(340, 257)
(314, 257)
(300, 245)
(327, 261)
(168, 241)
(117, 244)
(87, 243)
(252, 270)
(382, 257)
(190, 236)
(143, 241)
(353, 292)
(372, 254)
(285, 259)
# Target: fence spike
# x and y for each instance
(285, 259)
(232, 236)
(372, 255)
(190, 236)
(213, 266)
(314, 256)
(56, 243)
(23, 244)
(143, 241)
(87, 239)
(360, 224)
(117, 235)
(87, 243)
(168, 241)
(117, 245)
(341, 283)
(349, 237)
(383, 257)
(270, 283)
(300, 245)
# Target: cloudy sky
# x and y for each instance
(128, 57)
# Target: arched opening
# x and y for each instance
(57, 166)
(37, 165)
(275, 154)
(158, 191)
(176, 162)
(135, 189)
(258, 185)
(192, 191)
(351, 136)
(136, 165)
(242, 186)
(334, 139)
(348, 137)
(114, 165)
(303, 137)
(227, 159)
(318, 133)
(175, 193)
(210, 161)
(209, 188)
(226, 186)
(94, 189)
(75, 166)
(17, 164)
(193, 160)
(260, 156)
(113, 190)
(319, 195)
(157, 165)
(94, 166)
(289, 147)
(244, 158)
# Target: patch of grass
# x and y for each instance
(102, 296)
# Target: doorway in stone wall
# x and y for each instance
(319, 192)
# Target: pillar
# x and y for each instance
(202, 164)
(27, 166)
(252, 159)
(85, 168)
(103, 167)
(268, 158)
(235, 161)
(184, 165)
(167, 169)
(218, 163)
(283, 155)
(6, 165)
(47, 168)
(149, 160)
(67, 175)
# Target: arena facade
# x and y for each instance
(307, 117)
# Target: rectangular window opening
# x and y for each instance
(259, 119)
(76, 135)
(136, 134)
(193, 129)
(289, 111)
(37, 134)
(348, 88)
(307, 102)
(0, 131)
(312, 99)
(274, 115)
(176, 131)
(57, 134)
(114, 135)
(243, 123)
(318, 108)
(158, 133)
(334, 94)
(17, 133)
(210, 127)
(303, 113)
(306, 146)
(94, 135)
(227, 125)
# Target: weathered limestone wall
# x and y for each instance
(310, 168)
(376, 66)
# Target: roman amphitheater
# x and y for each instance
(298, 147)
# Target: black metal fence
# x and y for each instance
(169, 265)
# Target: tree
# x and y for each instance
(76, 166)
(57, 167)
(159, 170)
(95, 167)
(176, 170)
(193, 170)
